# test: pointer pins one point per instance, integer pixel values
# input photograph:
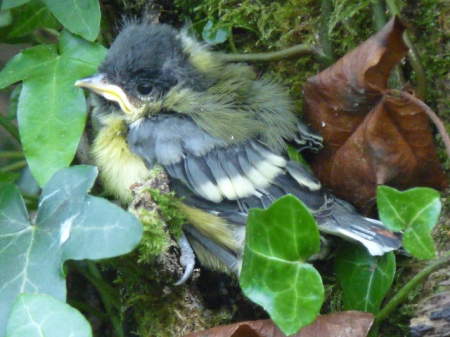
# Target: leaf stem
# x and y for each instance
(413, 55)
(406, 290)
(378, 14)
(434, 118)
(324, 37)
(14, 166)
(107, 293)
(298, 50)
(10, 127)
(12, 154)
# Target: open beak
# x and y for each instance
(99, 85)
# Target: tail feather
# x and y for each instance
(348, 224)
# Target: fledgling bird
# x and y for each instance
(161, 97)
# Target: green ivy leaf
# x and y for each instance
(419, 243)
(416, 211)
(365, 279)
(275, 275)
(33, 15)
(50, 106)
(81, 17)
(213, 34)
(8, 4)
(69, 225)
(37, 315)
(22, 66)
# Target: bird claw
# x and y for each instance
(187, 259)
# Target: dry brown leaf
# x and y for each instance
(371, 135)
(340, 324)
(393, 146)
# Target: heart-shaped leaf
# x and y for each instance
(37, 315)
(33, 15)
(81, 17)
(50, 107)
(275, 274)
(70, 224)
(365, 279)
(416, 211)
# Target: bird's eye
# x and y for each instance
(144, 89)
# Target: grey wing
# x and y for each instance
(248, 173)
(228, 179)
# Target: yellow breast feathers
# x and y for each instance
(119, 168)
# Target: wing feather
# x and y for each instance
(227, 180)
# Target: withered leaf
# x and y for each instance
(371, 135)
(340, 324)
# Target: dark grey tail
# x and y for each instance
(345, 222)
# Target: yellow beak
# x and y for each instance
(100, 86)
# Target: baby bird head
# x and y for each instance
(153, 70)
(143, 64)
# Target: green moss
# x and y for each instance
(168, 204)
(155, 239)
(430, 29)
(154, 307)
(156, 207)
(334, 299)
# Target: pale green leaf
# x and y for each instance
(38, 315)
(70, 224)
